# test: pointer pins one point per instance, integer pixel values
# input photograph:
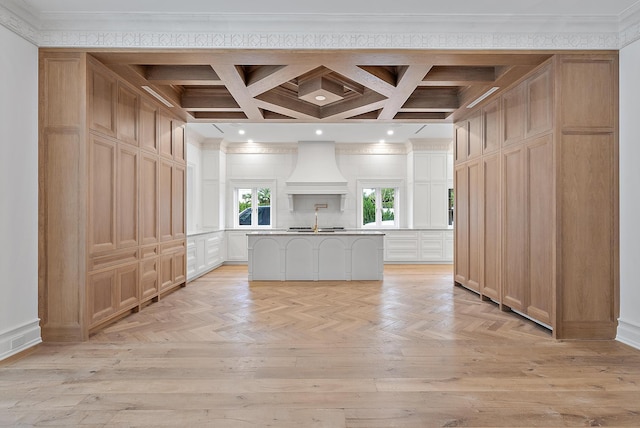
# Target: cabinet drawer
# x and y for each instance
(431, 234)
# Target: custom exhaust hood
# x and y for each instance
(316, 172)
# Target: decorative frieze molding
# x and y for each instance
(253, 40)
(430, 144)
(371, 149)
(212, 144)
(259, 148)
(292, 148)
(305, 31)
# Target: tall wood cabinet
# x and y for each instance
(537, 208)
(111, 197)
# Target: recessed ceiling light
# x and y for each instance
(318, 131)
(249, 141)
(382, 141)
(320, 97)
(241, 131)
(390, 132)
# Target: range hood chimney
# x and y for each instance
(316, 172)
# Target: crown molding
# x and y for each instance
(630, 26)
(350, 40)
(18, 25)
(212, 144)
(431, 144)
(260, 148)
(371, 149)
(308, 31)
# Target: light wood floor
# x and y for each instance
(411, 351)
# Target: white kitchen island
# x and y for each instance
(315, 256)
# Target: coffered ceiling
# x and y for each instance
(320, 86)
(406, 63)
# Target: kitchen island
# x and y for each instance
(315, 256)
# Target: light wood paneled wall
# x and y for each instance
(549, 162)
(101, 190)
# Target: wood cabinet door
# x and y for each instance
(127, 196)
(149, 199)
(473, 177)
(178, 201)
(461, 143)
(102, 195)
(475, 135)
(127, 286)
(165, 197)
(102, 88)
(148, 126)
(101, 295)
(513, 229)
(539, 100)
(540, 197)
(179, 267)
(127, 115)
(461, 212)
(165, 132)
(167, 272)
(148, 278)
(178, 141)
(490, 227)
(513, 111)
(491, 131)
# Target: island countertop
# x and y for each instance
(319, 233)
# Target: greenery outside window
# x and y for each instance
(253, 207)
(379, 207)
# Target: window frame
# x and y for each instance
(397, 185)
(236, 185)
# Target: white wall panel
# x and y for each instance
(19, 328)
(629, 323)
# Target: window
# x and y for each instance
(379, 208)
(253, 207)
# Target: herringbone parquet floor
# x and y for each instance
(410, 351)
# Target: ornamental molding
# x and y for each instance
(305, 31)
(292, 148)
(260, 148)
(371, 149)
(19, 26)
(431, 144)
(233, 40)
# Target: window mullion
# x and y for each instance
(254, 206)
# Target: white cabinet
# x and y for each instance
(204, 253)
(401, 246)
(432, 179)
(417, 246)
(237, 246)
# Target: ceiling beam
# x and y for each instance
(237, 88)
(410, 77)
(181, 75)
(459, 75)
(354, 106)
(279, 77)
(361, 76)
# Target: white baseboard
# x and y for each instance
(19, 338)
(628, 333)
